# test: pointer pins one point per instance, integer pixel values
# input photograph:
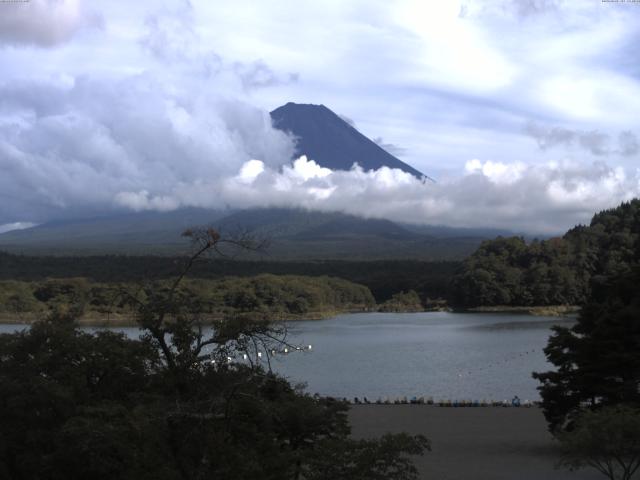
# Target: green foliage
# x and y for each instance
(262, 295)
(49, 375)
(75, 405)
(16, 298)
(403, 302)
(507, 271)
(367, 459)
(271, 294)
(607, 440)
(383, 277)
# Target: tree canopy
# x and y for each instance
(607, 440)
(508, 271)
(597, 362)
(174, 404)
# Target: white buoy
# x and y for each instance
(244, 356)
(286, 350)
(259, 354)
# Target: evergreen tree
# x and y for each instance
(597, 359)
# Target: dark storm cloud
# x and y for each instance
(522, 9)
(595, 142)
(44, 23)
(349, 120)
(628, 143)
(60, 148)
(528, 8)
(392, 148)
(259, 75)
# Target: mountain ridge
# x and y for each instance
(326, 138)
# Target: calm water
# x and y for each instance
(444, 355)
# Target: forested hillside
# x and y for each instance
(508, 271)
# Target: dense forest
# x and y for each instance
(508, 271)
(431, 280)
(278, 297)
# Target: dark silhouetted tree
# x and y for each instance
(178, 404)
(597, 361)
(607, 440)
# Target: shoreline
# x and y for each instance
(96, 319)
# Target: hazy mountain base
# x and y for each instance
(293, 234)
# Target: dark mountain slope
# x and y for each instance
(298, 234)
(326, 138)
(303, 224)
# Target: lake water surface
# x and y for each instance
(439, 354)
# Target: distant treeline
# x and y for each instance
(508, 271)
(268, 295)
(384, 278)
(504, 271)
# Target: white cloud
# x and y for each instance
(165, 106)
(543, 199)
(452, 53)
(250, 171)
(496, 172)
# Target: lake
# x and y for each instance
(439, 354)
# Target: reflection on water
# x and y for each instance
(444, 355)
(439, 354)
(535, 324)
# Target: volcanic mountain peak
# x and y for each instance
(331, 142)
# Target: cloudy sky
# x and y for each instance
(525, 111)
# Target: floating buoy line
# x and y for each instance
(260, 354)
(513, 403)
(404, 400)
(462, 373)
